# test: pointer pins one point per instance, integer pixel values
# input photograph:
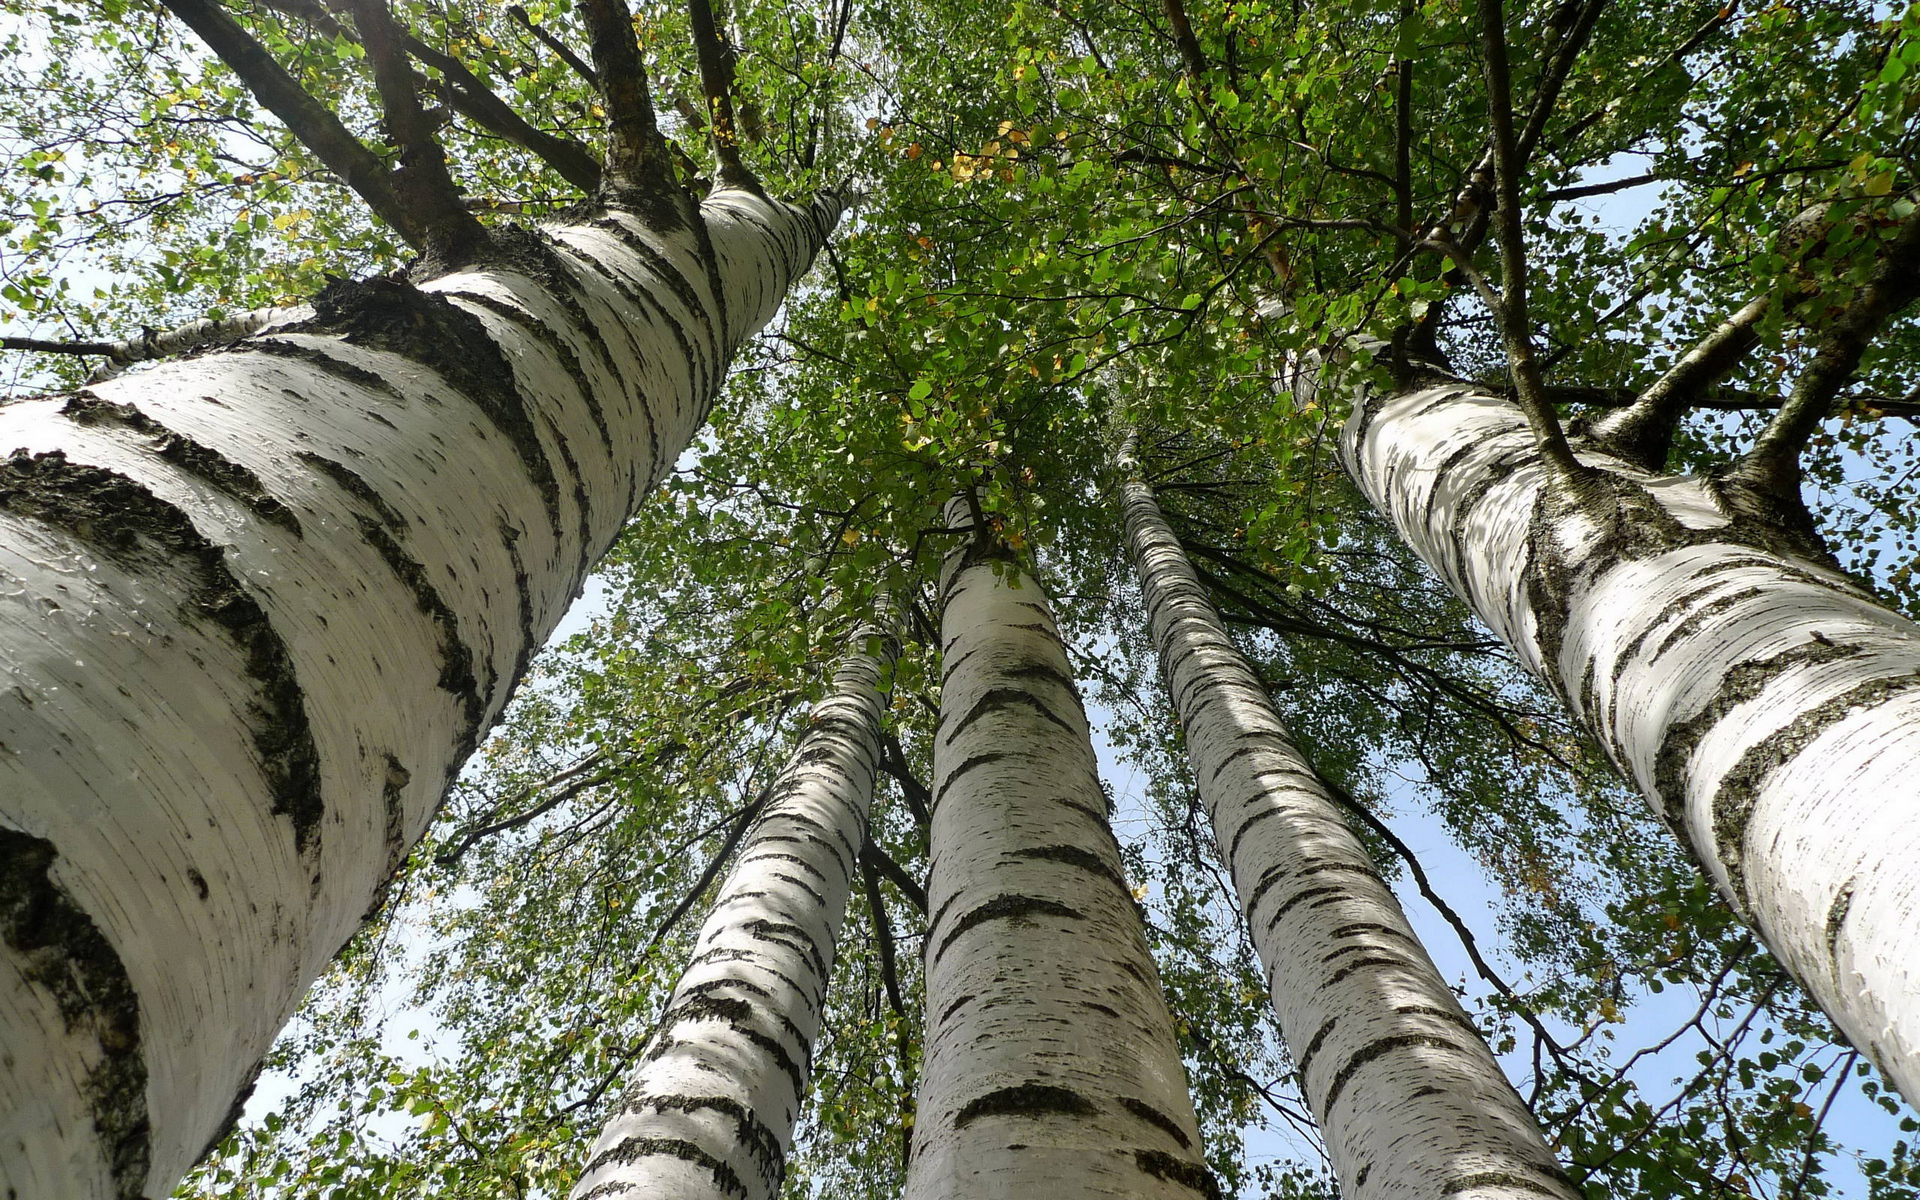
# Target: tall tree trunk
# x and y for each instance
(259, 606)
(1766, 705)
(1051, 1068)
(709, 1113)
(1409, 1098)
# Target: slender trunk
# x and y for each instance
(1766, 706)
(1408, 1096)
(1051, 1068)
(709, 1113)
(260, 605)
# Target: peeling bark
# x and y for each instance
(1766, 705)
(258, 605)
(709, 1112)
(1408, 1097)
(1051, 1068)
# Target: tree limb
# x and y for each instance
(716, 57)
(312, 122)
(876, 859)
(638, 166)
(423, 183)
(563, 51)
(882, 932)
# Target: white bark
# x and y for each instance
(1767, 707)
(1409, 1099)
(709, 1113)
(1050, 1063)
(257, 608)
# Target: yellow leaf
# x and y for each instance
(851, 537)
(1880, 184)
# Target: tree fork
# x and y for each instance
(1765, 705)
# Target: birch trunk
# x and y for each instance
(1767, 706)
(1408, 1097)
(260, 605)
(1050, 1067)
(709, 1113)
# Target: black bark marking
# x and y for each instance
(978, 760)
(760, 1141)
(1025, 1100)
(1454, 1185)
(1077, 856)
(1741, 683)
(633, 1149)
(737, 1015)
(1314, 1044)
(393, 798)
(1837, 920)
(350, 373)
(140, 532)
(59, 948)
(456, 657)
(1153, 1116)
(435, 333)
(1192, 1176)
(1378, 1048)
(192, 458)
(1000, 699)
(351, 482)
(946, 1014)
(1007, 908)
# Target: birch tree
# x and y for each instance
(1050, 1058)
(265, 601)
(710, 1112)
(1409, 1097)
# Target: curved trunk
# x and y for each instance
(1408, 1097)
(709, 1113)
(1766, 706)
(1051, 1068)
(259, 606)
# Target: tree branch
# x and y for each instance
(312, 122)
(563, 51)
(716, 57)
(423, 183)
(1643, 433)
(1515, 329)
(874, 858)
(915, 793)
(638, 166)
(882, 933)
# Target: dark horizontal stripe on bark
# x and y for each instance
(805, 839)
(549, 337)
(788, 934)
(1382, 959)
(1739, 789)
(947, 1013)
(1000, 699)
(457, 676)
(953, 776)
(303, 352)
(1007, 908)
(1162, 1121)
(1025, 1100)
(350, 482)
(804, 886)
(202, 462)
(138, 531)
(1305, 1058)
(1376, 1049)
(1192, 1176)
(1077, 856)
(711, 986)
(432, 331)
(633, 1149)
(782, 856)
(1300, 897)
(1454, 1185)
(1741, 683)
(761, 1142)
(1278, 875)
(737, 1015)
(59, 948)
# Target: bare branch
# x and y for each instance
(882, 935)
(1515, 328)
(309, 120)
(638, 164)
(1643, 433)
(423, 182)
(560, 49)
(716, 81)
(876, 859)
